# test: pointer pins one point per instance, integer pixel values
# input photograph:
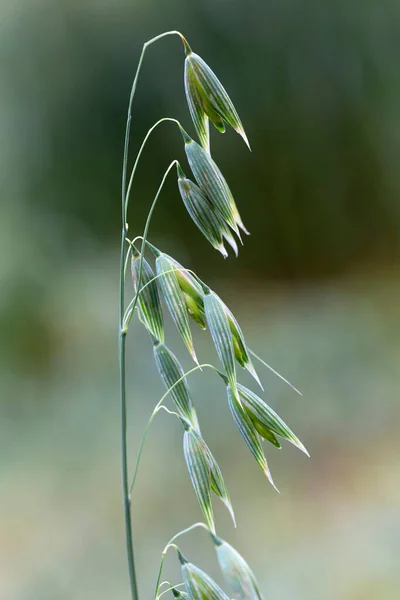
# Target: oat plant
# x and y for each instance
(157, 282)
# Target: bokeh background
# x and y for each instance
(316, 289)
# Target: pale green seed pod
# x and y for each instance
(199, 585)
(201, 211)
(190, 286)
(174, 299)
(249, 433)
(220, 316)
(218, 325)
(150, 311)
(188, 282)
(205, 474)
(256, 420)
(262, 429)
(212, 183)
(240, 347)
(194, 310)
(267, 423)
(171, 371)
(228, 235)
(208, 100)
(236, 572)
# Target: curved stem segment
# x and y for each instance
(150, 131)
(172, 587)
(172, 545)
(133, 90)
(122, 333)
(157, 408)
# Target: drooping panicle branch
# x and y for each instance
(211, 206)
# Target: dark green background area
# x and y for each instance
(316, 85)
(315, 288)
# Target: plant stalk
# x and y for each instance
(125, 482)
(122, 338)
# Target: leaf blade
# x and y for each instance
(218, 485)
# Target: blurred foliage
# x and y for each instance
(317, 86)
(332, 533)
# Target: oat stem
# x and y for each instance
(122, 368)
(122, 333)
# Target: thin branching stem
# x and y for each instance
(172, 545)
(170, 412)
(128, 253)
(128, 191)
(145, 233)
(184, 531)
(157, 408)
(133, 90)
(124, 453)
(172, 587)
(138, 237)
(122, 331)
(165, 583)
(164, 554)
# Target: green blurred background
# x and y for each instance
(316, 289)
